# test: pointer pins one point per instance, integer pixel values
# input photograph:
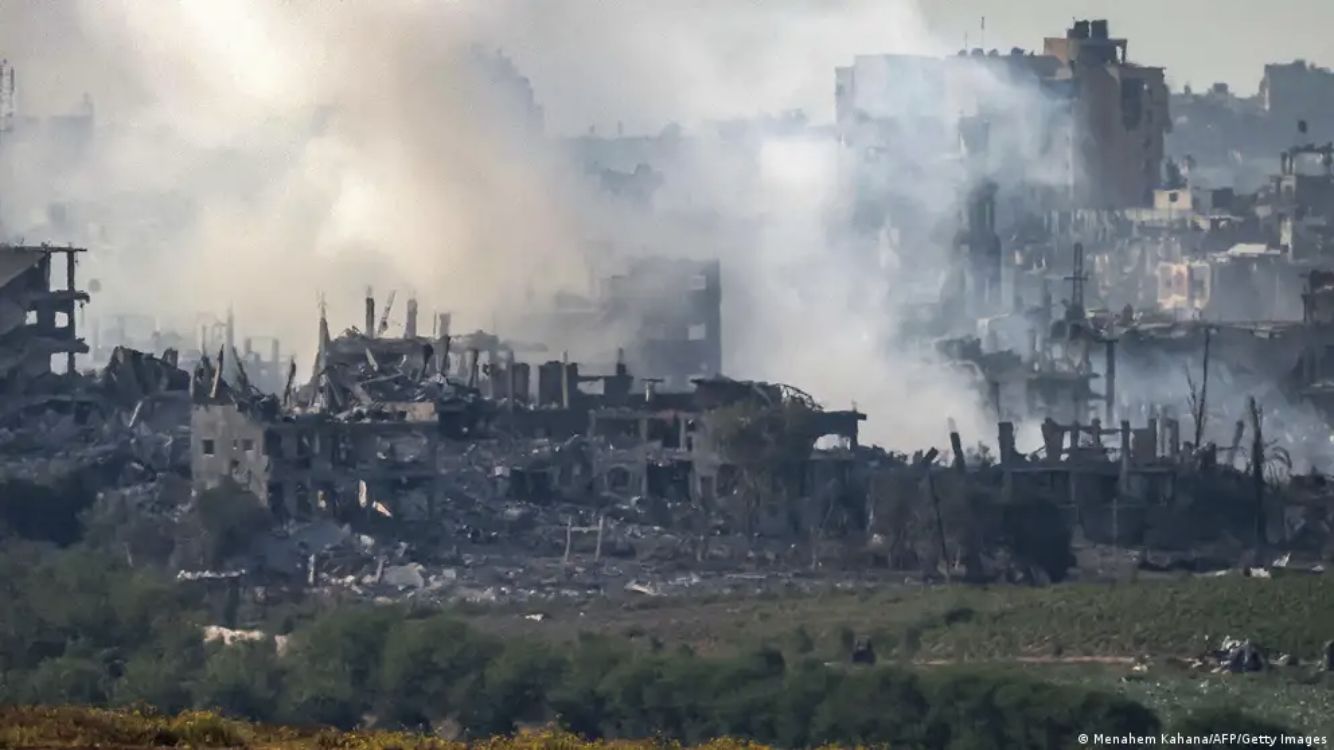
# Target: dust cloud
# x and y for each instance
(259, 154)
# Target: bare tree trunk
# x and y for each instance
(940, 523)
(1201, 406)
(1258, 479)
(1238, 432)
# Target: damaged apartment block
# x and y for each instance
(37, 321)
(400, 425)
(363, 434)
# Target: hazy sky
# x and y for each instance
(416, 182)
(1198, 41)
(646, 62)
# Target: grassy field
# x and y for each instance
(1178, 617)
(1080, 634)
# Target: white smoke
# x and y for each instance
(323, 147)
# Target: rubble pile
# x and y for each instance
(130, 419)
(1244, 656)
(326, 555)
(405, 469)
(360, 372)
(1239, 655)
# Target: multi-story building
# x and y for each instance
(1121, 117)
(1299, 96)
(1080, 120)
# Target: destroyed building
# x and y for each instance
(386, 422)
(335, 443)
(1085, 149)
(68, 437)
(38, 318)
(299, 463)
(261, 356)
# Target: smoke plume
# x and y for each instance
(258, 154)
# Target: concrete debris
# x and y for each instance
(406, 577)
(209, 575)
(123, 431)
(443, 468)
(1243, 656)
(491, 571)
(229, 637)
(1237, 656)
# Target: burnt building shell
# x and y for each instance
(37, 317)
(300, 464)
(383, 422)
(303, 463)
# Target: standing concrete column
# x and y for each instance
(370, 313)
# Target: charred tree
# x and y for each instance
(1258, 477)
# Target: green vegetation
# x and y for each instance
(48, 510)
(1182, 616)
(78, 628)
(1050, 627)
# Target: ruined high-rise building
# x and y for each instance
(37, 320)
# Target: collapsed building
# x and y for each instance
(455, 435)
(262, 356)
(385, 420)
(1094, 363)
(479, 437)
(68, 436)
